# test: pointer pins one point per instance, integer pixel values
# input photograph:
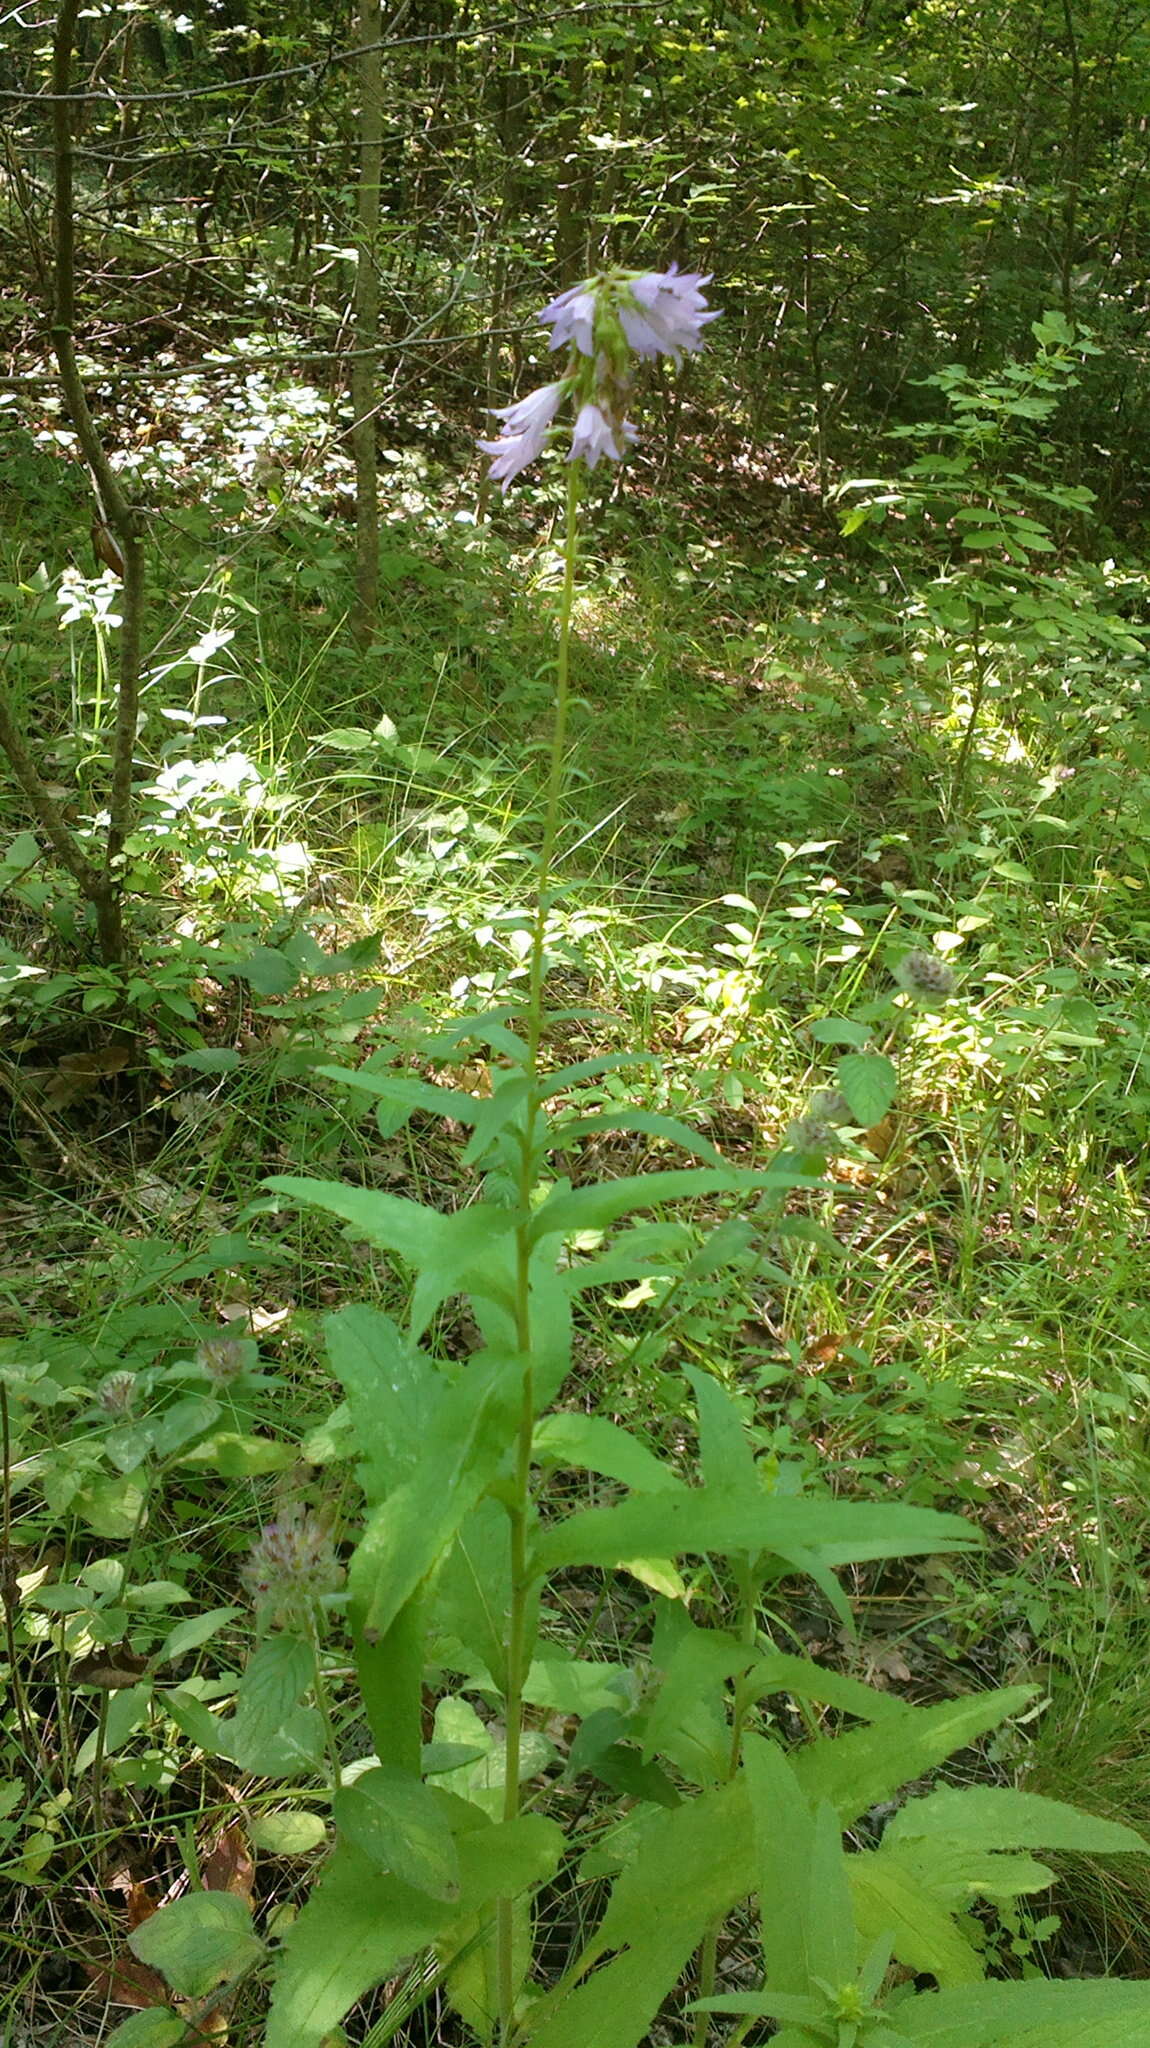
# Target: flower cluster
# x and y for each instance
(926, 976)
(602, 323)
(292, 1564)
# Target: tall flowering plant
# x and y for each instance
(603, 323)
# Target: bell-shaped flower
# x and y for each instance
(571, 318)
(596, 434)
(666, 314)
(523, 434)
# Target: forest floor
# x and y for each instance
(764, 811)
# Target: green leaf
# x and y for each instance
(355, 1930)
(198, 1941)
(803, 1679)
(402, 1826)
(702, 1519)
(592, 1444)
(270, 973)
(393, 1390)
(469, 1252)
(869, 1082)
(783, 1835)
(996, 1817)
(241, 1457)
(192, 1634)
(892, 1900)
(838, 1031)
(158, 2027)
(856, 1771)
(725, 1454)
(669, 1128)
(692, 1866)
(1095, 2014)
(566, 1211)
(270, 1733)
(291, 1832)
(406, 1537)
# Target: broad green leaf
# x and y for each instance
(291, 1832)
(1037, 2015)
(870, 1082)
(692, 1866)
(270, 973)
(270, 1733)
(996, 1817)
(783, 1837)
(669, 1128)
(198, 1941)
(698, 1666)
(127, 1709)
(830, 1937)
(406, 1537)
(839, 1031)
(592, 1444)
(856, 1771)
(714, 1519)
(471, 1597)
(241, 1457)
(575, 1685)
(354, 1931)
(158, 2027)
(402, 1826)
(891, 1900)
(407, 1092)
(393, 1391)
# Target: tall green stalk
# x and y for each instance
(520, 1510)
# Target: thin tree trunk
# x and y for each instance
(363, 372)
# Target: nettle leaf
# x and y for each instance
(198, 1941)
(803, 1679)
(403, 1826)
(270, 1733)
(783, 1833)
(725, 1453)
(870, 1082)
(670, 1129)
(1098, 2014)
(997, 1817)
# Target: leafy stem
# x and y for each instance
(520, 1510)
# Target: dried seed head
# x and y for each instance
(925, 975)
(292, 1563)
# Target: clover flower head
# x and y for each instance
(292, 1563)
(223, 1358)
(830, 1106)
(117, 1392)
(810, 1134)
(926, 976)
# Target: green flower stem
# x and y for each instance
(520, 1511)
